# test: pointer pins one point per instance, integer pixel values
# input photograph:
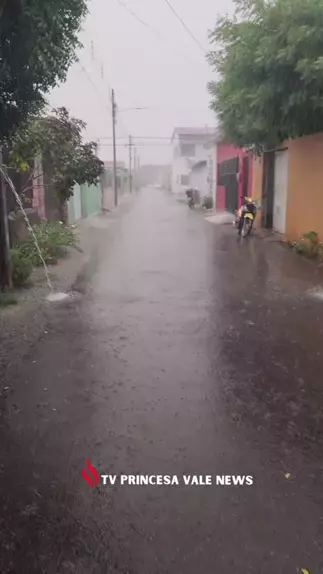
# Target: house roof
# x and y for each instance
(120, 164)
(194, 133)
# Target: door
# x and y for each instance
(228, 178)
(268, 190)
(280, 191)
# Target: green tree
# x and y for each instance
(268, 60)
(57, 140)
(38, 41)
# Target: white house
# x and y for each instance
(212, 171)
(198, 178)
(190, 159)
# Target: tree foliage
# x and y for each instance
(38, 40)
(268, 59)
(57, 140)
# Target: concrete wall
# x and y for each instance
(305, 186)
(91, 199)
(74, 206)
(87, 200)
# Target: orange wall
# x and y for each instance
(257, 185)
(305, 189)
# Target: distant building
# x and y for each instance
(191, 159)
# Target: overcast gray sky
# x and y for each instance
(159, 67)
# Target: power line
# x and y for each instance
(159, 108)
(185, 26)
(154, 30)
(134, 15)
(137, 145)
(140, 138)
(94, 86)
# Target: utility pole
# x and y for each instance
(5, 270)
(130, 164)
(114, 121)
(138, 171)
(135, 168)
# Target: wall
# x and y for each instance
(91, 199)
(220, 198)
(305, 189)
(74, 206)
(305, 186)
(181, 166)
(256, 189)
(213, 172)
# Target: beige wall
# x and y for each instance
(305, 188)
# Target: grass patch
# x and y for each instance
(7, 299)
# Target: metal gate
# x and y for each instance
(228, 178)
(280, 190)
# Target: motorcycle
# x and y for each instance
(245, 217)
(190, 193)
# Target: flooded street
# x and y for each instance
(189, 351)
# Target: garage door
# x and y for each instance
(280, 191)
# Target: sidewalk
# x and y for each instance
(24, 324)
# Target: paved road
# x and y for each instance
(189, 352)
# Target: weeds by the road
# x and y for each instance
(53, 240)
(7, 299)
(21, 266)
(309, 246)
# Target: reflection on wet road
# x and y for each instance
(192, 352)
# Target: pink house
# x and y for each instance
(234, 176)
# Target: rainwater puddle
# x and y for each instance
(316, 293)
(57, 297)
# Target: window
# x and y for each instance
(184, 179)
(187, 150)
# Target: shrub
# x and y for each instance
(53, 239)
(21, 266)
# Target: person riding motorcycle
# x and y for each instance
(191, 196)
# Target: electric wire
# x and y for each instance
(152, 28)
(185, 26)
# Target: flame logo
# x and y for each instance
(92, 478)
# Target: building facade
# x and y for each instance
(288, 183)
(189, 150)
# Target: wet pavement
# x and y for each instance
(189, 351)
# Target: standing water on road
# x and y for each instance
(170, 420)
